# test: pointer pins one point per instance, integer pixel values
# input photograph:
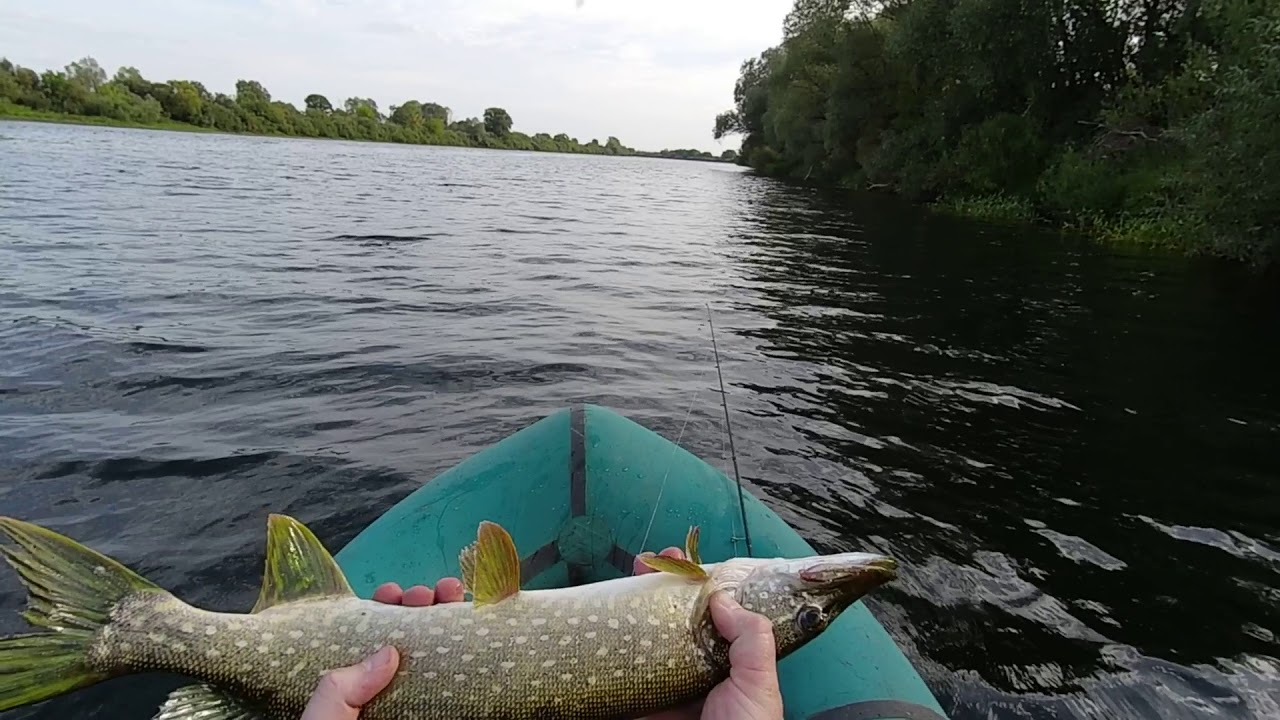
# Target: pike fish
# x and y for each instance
(614, 649)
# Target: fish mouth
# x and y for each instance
(858, 569)
(886, 565)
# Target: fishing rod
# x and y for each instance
(728, 428)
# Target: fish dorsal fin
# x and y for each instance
(202, 702)
(676, 566)
(298, 566)
(490, 565)
(691, 545)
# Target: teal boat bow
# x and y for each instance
(576, 490)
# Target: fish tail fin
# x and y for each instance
(38, 667)
(71, 593)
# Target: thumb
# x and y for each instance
(342, 692)
(753, 656)
(751, 644)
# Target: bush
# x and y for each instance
(1078, 185)
(1000, 208)
(1003, 154)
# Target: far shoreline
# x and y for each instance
(173, 126)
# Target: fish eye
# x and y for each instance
(809, 618)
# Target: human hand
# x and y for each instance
(342, 692)
(751, 691)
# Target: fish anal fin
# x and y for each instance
(691, 545)
(298, 566)
(202, 702)
(675, 566)
(490, 565)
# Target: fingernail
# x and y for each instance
(379, 659)
(646, 554)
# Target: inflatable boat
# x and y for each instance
(577, 492)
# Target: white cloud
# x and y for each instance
(652, 72)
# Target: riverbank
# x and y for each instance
(1152, 233)
(9, 111)
(1008, 110)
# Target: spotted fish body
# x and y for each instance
(616, 649)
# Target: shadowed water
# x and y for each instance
(1072, 451)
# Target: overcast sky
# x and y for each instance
(652, 72)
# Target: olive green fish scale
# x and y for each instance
(629, 649)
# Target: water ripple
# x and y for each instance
(1070, 450)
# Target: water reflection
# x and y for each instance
(1028, 423)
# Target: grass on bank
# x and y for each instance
(10, 111)
(1160, 233)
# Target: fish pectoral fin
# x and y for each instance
(298, 566)
(675, 566)
(203, 702)
(691, 545)
(490, 565)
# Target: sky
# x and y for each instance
(652, 72)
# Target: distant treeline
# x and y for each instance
(1151, 120)
(83, 90)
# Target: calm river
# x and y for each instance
(1075, 452)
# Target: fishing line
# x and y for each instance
(671, 459)
(728, 428)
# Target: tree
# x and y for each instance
(1144, 118)
(407, 115)
(435, 110)
(471, 127)
(82, 89)
(497, 121)
(365, 107)
(185, 101)
(133, 81)
(318, 103)
(729, 155)
(87, 73)
(252, 96)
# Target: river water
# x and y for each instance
(1074, 451)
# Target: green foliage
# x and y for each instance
(318, 103)
(1002, 208)
(497, 122)
(1079, 184)
(1002, 154)
(82, 93)
(87, 74)
(408, 115)
(1234, 143)
(1150, 121)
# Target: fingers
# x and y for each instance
(342, 692)
(419, 596)
(639, 568)
(449, 590)
(751, 643)
(389, 593)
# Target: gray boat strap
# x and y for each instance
(879, 710)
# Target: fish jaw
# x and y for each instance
(801, 597)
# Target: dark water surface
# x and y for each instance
(1074, 452)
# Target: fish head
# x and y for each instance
(801, 597)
